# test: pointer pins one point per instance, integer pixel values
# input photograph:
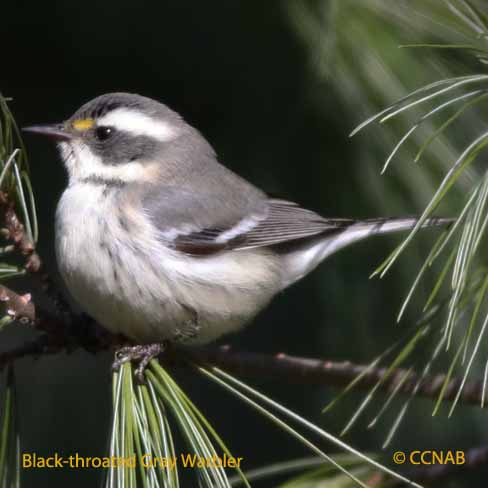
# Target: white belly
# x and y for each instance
(121, 275)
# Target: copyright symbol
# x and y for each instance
(399, 457)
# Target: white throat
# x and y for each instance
(83, 164)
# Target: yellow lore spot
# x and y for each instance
(83, 124)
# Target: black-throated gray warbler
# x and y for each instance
(160, 242)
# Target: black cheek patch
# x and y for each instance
(123, 148)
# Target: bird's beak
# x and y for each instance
(52, 131)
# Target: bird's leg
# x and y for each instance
(190, 328)
(140, 354)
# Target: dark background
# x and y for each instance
(238, 71)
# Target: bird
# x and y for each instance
(161, 243)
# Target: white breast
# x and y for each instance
(128, 281)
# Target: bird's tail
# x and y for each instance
(306, 256)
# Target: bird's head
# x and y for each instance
(122, 137)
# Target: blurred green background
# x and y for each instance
(276, 87)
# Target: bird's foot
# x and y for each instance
(140, 354)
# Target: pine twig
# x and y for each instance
(280, 367)
(14, 231)
(283, 367)
(18, 307)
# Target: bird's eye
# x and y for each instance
(102, 133)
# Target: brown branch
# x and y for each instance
(283, 367)
(280, 367)
(18, 307)
(15, 232)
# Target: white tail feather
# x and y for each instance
(305, 258)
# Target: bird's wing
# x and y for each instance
(281, 222)
(202, 224)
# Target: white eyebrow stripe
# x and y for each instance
(138, 124)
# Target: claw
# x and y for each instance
(141, 354)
